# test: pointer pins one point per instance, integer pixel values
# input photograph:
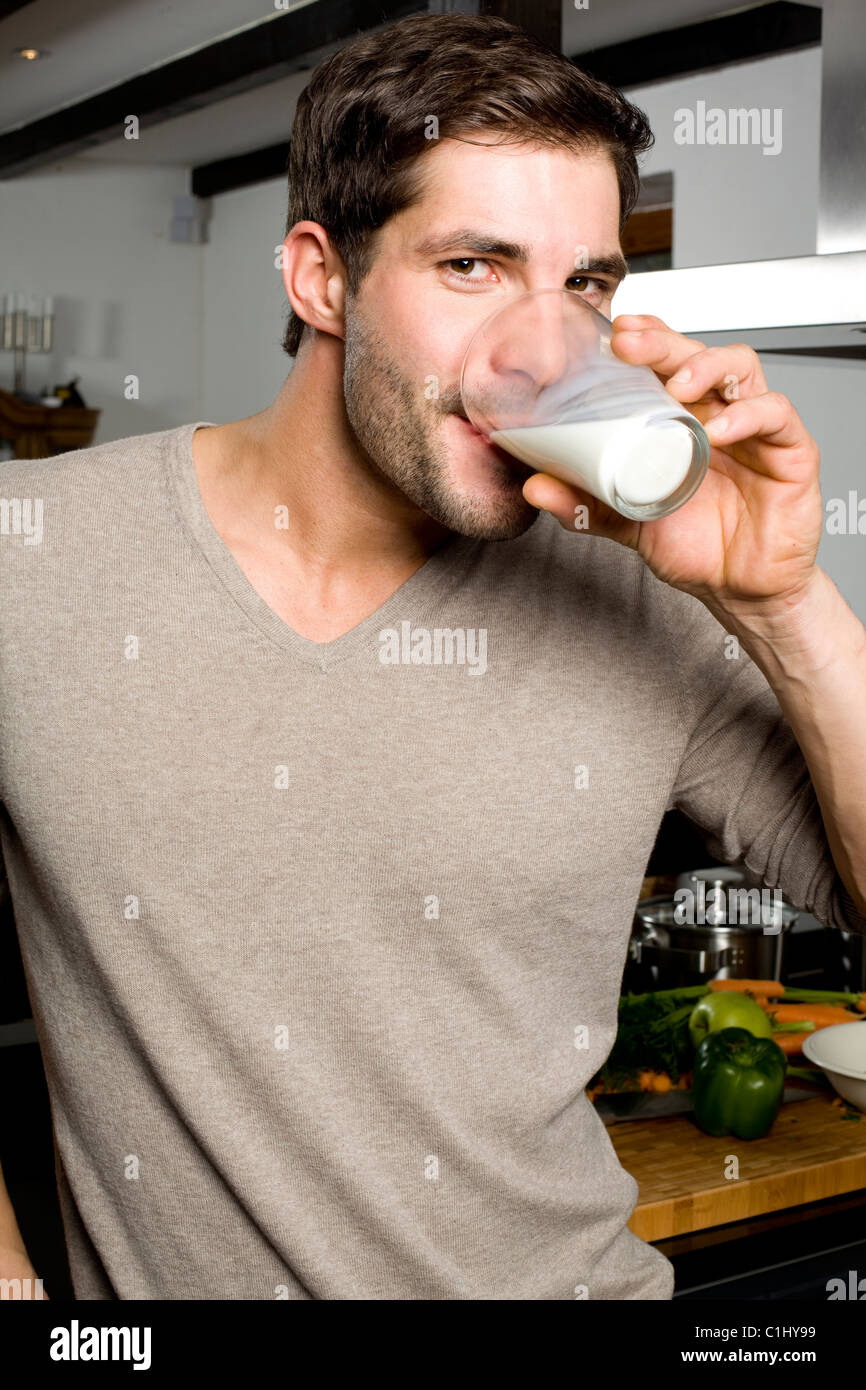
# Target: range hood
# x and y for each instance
(812, 305)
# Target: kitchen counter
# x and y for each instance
(811, 1153)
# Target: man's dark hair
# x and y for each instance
(363, 120)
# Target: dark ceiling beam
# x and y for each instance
(8, 7)
(759, 32)
(240, 170)
(543, 18)
(232, 65)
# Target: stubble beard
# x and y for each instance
(401, 435)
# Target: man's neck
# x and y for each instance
(318, 530)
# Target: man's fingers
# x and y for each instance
(733, 370)
(552, 495)
(654, 349)
(576, 510)
(770, 417)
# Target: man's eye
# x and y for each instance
(581, 281)
(460, 267)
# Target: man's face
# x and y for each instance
(493, 222)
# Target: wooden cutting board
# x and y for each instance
(811, 1152)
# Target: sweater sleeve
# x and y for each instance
(742, 777)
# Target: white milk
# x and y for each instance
(608, 457)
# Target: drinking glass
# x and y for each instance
(540, 380)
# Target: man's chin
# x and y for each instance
(509, 532)
(486, 485)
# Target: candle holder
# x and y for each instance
(26, 327)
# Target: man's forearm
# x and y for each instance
(813, 655)
(15, 1264)
(10, 1236)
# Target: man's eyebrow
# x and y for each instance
(472, 240)
(613, 264)
(482, 244)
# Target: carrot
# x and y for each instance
(790, 1043)
(762, 987)
(860, 1006)
(822, 1015)
(655, 1081)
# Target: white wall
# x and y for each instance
(827, 394)
(245, 304)
(733, 202)
(127, 299)
(199, 325)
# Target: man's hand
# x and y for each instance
(746, 541)
(15, 1264)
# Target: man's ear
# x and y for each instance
(315, 278)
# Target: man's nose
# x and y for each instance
(537, 353)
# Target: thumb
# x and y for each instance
(577, 510)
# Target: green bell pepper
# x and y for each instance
(727, 1010)
(737, 1083)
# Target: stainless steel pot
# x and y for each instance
(668, 953)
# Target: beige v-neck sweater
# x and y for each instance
(315, 934)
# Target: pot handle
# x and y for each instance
(679, 956)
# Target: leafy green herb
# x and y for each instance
(652, 1035)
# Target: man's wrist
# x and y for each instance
(793, 640)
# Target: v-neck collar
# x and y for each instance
(414, 598)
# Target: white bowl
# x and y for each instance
(840, 1052)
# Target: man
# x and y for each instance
(324, 935)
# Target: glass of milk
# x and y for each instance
(540, 380)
